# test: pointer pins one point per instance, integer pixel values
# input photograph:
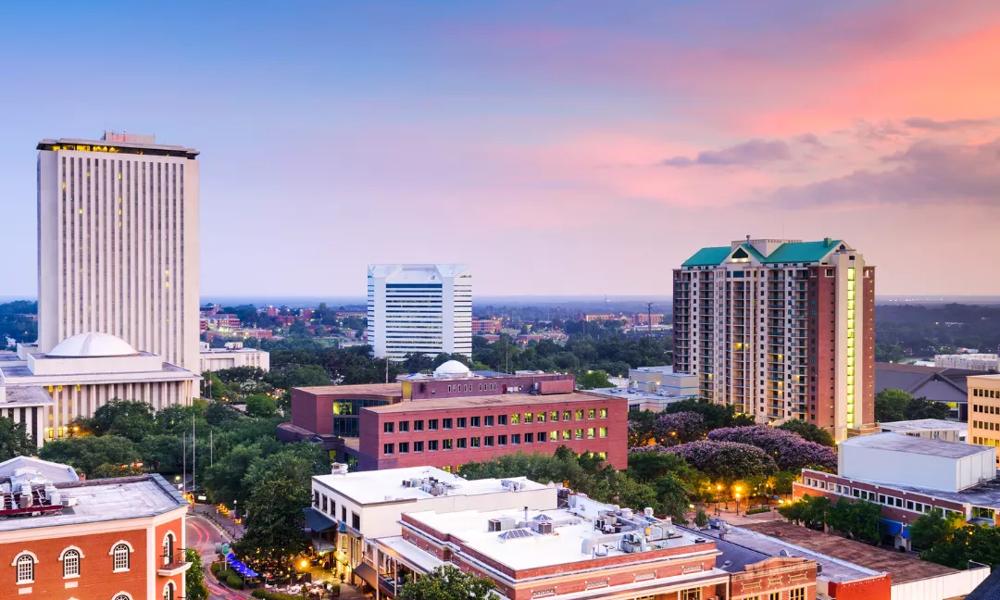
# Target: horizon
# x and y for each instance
(557, 151)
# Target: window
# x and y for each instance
(529, 417)
(121, 554)
(603, 413)
(460, 422)
(168, 548)
(579, 415)
(602, 432)
(460, 442)
(590, 433)
(387, 448)
(387, 427)
(418, 425)
(475, 421)
(540, 417)
(446, 444)
(501, 440)
(553, 436)
(554, 415)
(515, 419)
(797, 594)
(168, 591)
(515, 438)
(446, 423)
(567, 415)
(432, 445)
(529, 438)
(578, 435)
(474, 442)
(122, 596)
(567, 434)
(70, 558)
(355, 521)
(404, 426)
(404, 447)
(418, 446)
(488, 420)
(501, 419)
(488, 441)
(692, 594)
(592, 413)
(25, 563)
(432, 424)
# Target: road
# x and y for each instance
(203, 535)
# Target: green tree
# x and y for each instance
(274, 523)
(932, 529)
(295, 375)
(700, 518)
(14, 440)
(593, 379)
(130, 419)
(922, 408)
(194, 584)
(448, 583)
(641, 427)
(810, 511)
(261, 405)
(855, 519)
(107, 455)
(809, 432)
(890, 405)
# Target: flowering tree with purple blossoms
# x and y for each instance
(727, 461)
(671, 429)
(789, 450)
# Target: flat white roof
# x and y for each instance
(530, 550)
(105, 500)
(918, 425)
(379, 487)
(896, 442)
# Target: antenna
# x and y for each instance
(649, 317)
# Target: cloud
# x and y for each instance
(932, 125)
(751, 152)
(925, 173)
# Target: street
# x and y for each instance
(203, 535)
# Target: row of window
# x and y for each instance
(987, 425)
(981, 393)
(491, 420)
(984, 409)
(72, 558)
(883, 499)
(324, 503)
(490, 441)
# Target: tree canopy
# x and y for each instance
(448, 583)
(14, 440)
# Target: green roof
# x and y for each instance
(708, 257)
(802, 252)
(789, 252)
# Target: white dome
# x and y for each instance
(452, 368)
(92, 344)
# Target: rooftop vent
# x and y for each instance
(514, 534)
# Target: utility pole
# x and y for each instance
(194, 456)
(184, 462)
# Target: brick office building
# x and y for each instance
(106, 539)
(450, 432)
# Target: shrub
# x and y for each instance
(233, 580)
(758, 509)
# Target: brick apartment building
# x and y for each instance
(105, 539)
(780, 329)
(455, 416)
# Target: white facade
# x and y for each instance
(971, 362)
(935, 429)
(419, 309)
(893, 458)
(372, 502)
(118, 244)
(217, 359)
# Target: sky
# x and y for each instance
(556, 147)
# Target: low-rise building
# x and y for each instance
(217, 359)
(114, 539)
(970, 362)
(352, 509)
(984, 410)
(585, 550)
(48, 391)
(909, 477)
(654, 388)
(492, 325)
(935, 429)
(937, 384)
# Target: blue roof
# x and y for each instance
(708, 257)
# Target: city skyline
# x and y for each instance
(556, 151)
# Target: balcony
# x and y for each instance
(172, 565)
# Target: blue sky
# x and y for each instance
(558, 147)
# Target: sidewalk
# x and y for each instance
(226, 523)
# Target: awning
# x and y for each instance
(367, 573)
(891, 527)
(322, 546)
(317, 521)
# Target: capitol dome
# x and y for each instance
(451, 369)
(92, 344)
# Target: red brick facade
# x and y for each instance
(447, 435)
(95, 542)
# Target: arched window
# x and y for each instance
(70, 558)
(168, 548)
(24, 564)
(121, 556)
(168, 591)
(122, 596)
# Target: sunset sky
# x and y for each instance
(556, 147)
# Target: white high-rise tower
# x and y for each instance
(419, 309)
(118, 244)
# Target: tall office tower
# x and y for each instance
(419, 309)
(781, 330)
(118, 244)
